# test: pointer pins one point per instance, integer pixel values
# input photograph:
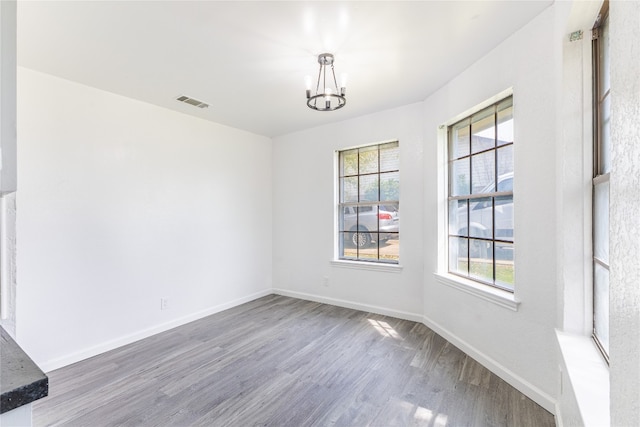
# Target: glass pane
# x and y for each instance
(601, 221)
(390, 186)
(389, 157)
(350, 248)
(368, 218)
(505, 271)
(459, 140)
(342, 211)
(481, 218)
(605, 136)
(505, 126)
(349, 189)
(389, 246)
(348, 218)
(481, 260)
(349, 162)
(483, 131)
(370, 250)
(343, 240)
(458, 217)
(505, 165)
(388, 219)
(369, 188)
(601, 305)
(458, 261)
(368, 160)
(358, 237)
(459, 178)
(393, 207)
(505, 104)
(483, 167)
(503, 213)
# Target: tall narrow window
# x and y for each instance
(480, 166)
(601, 171)
(369, 203)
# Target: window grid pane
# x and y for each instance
(480, 229)
(368, 230)
(601, 171)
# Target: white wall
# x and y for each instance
(624, 229)
(303, 198)
(107, 182)
(123, 203)
(520, 346)
(8, 163)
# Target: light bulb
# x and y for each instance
(343, 80)
(307, 81)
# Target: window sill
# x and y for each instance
(589, 377)
(497, 296)
(372, 266)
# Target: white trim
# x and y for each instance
(20, 416)
(588, 374)
(540, 397)
(367, 144)
(414, 317)
(488, 293)
(4, 261)
(486, 103)
(145, 333)
(363, 265)
(336, 195)
(524, 386)
(531, 391)
(558, 415)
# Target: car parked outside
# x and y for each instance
(482, 221)
(368, 224)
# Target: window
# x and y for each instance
(368, 208)
(601, 171)
(480, 196)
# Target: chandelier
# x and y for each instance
(328, 95)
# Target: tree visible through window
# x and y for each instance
(480, 199)
(368, 208)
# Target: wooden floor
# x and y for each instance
(280, 361)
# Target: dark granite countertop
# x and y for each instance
(21, 381)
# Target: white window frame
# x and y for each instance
(500, 297)
(375, 264)
(599, 176)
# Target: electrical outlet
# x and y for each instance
(325, 281)
(164, 303)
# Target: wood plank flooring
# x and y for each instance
(280, 361)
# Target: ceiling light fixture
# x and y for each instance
(328, 95)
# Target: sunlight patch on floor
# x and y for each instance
(427, 416)
(384, 329)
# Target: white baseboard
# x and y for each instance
(534, 393)
(145, 333)
(540, 397)
(558, 416)
(350, 304)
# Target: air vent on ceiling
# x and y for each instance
(192, 101)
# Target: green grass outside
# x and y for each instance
(484, 270)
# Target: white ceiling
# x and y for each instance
(248, 60)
